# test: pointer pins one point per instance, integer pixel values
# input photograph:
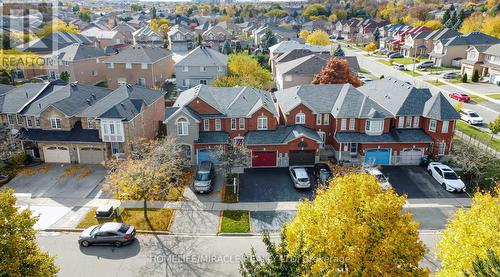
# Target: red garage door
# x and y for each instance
(263, 158)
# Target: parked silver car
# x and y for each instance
(114, 233)
(299, 177)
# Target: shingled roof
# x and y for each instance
(140, 54)
(281, 135)
(439, 108)
(203, 56)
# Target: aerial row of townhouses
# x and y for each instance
(385, 121)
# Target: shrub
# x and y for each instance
(18, 158)
(475, 76)
(464, 78)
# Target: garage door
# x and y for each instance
(410, 156)
(264, 158)
(56, 154)
(378, 156)
(302, 157)
(207, 155)
(91, 155)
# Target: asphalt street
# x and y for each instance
(167, 255)
(377, 69)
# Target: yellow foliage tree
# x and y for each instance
(243, 70)
(491, 26)
(58, 25)
(469, 234)
(12, 60)
(370, 47)
(433, 24)
(304, 34)
(332, 17)
(356, 227)
(318, 37)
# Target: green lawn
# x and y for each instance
(159, 219)
(386, 62)
(412, 73)
(478, 134)
(235, 222)
(405, 60)
(363, 70)
(494, 96)
(435, 82)
(229, 196)
(477, 99)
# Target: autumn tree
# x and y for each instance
(315, 10)
(494, 126)
(433, 24)
(485, 267)
(336, 71)
(355, 227)
(304, 34)
(318, 37)
(12, 60)
(21, 255)
(57, 25)
(370, 47)
(232, 154)
(470, 233)
(268, 40)
(276, 13)
(150, 174)
(243, 70)
(376, 37)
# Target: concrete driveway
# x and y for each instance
(415, 182)
(270, 185)
(57, 182)
(270, 221)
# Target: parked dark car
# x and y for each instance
(395, 55)
(390, 53)
(322, 172)
(113, 233)
(204, 178)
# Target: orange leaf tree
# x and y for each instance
(336, 71)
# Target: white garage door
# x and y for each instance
(411, 156)
(56, 154)
(90, 155)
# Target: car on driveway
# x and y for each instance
(382, 180)
(299, 177)
(462, 97)
(113, 233)
(470, 117)
(425, 64)
(322, 173)
(395, 55)
(451, 75)
(398, 66)
(446, 177)
(204, 178)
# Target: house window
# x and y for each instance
(401, 121)
(374, 126)
(432, 125)
(442, 148)
(206, 125)
(318, 119)
(185, 69)
(37, 121)
(29, 121)
(91, 123)
(110, 65)
(415, 121)
(220, 68)
(19, 119)
(300, 118)
(242, 124)
(55, 123)
(94, 73)
(128, 65)
(444, 128)
(218, 124)
(10, 119)
(326, 119)
(343, 123)
(203, 69)
(203, 82)
(351, 124)
(185, 82)
(182, 127)
(144, 66)
(141, 82)
(408, 121)
(233, 123)
(262, 123)
(111, 129)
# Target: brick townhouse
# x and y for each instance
(385, 122)
(73, 123)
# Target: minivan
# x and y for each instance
(204, 178)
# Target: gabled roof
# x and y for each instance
(398, 97)
(340, 100)
(232, 102)
(54, 41)
(77, 52)
(124, 26)
(99, 34)
(442, 34)
(288, 45)
(216, 30)
(293, 54)
(439, 108)
(281, 135)
(140, 54)
(18, 98)
(203, 56)
(145, 31)
(180, 29)
(311, 64)
(473, 38)
(5, 88)
(171, 111)
(493, 50)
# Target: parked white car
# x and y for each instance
(471, 117)
(299, 177)
(446, 177)
(382, 180)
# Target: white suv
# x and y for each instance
(446, 177)
(470, 117)
(299, 177)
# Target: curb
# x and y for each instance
(77, 230)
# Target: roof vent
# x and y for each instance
(93, 96)
(40, 105)
(89, 102)
(129, 85)
(123, 105)
(27, 95)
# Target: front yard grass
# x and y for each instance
(494, 96)
(405, 61)
(159, 219)
(477, 99)
(435, 82)
(235, 222)
(229, 196)
(479, 135)
(386, 62)
(364, 70)
(412, 73)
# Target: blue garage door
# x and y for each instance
(378, 156)
(207, 155)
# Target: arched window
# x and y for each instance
(182, 127)
(300, 118)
